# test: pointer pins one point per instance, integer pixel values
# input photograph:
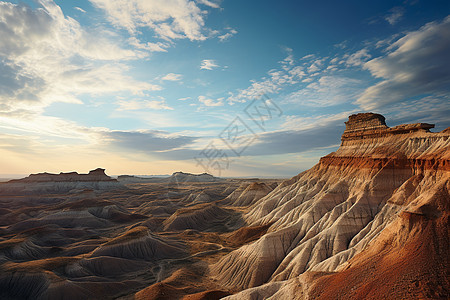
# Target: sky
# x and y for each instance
(231, 88)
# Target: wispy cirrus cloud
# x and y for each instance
(213, 4)
(143, 104)
(149, 46)
(145, 140)
(395, 15)
(416, 65)
(289, 73)
(80, 9)
(208, 64)
(231, 32)
(210, 102)
(184, 98)
(172, 77)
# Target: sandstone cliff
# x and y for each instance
(350, 203)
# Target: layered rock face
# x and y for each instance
(94, 175)
(383, 185)
(60, 183)
(248, 194)
(370, 125)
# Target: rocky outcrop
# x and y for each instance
(370, 125)
(325, 216)
(94, 175)
(60, 183)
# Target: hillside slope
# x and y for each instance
(354, 204)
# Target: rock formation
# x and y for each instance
(60, 183)
(369, 221)
(347, 204)
(188, 177)
(247, 194)
(94, 175)
(370, 125)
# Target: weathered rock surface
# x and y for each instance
(139, 243)
(248, 194)
(43, 183)
(199, 217)
(325, 216)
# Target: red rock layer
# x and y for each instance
(418, 165)
(408, 261)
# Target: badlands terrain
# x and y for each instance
(369, 221)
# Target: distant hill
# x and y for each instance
(60, 183)
(175, 177)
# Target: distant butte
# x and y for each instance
(93, 175)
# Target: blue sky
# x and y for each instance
(154, 87)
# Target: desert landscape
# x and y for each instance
(368, 221)
(219, 149)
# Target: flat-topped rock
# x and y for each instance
(371, 125)
(94, 175)
(47, 183)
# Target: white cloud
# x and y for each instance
(209, 3)
(417, 65)
(172, 77)
(149, 141)
(288, 60)
(39, 125)
(148, 46)
(47, 57)
(227, 35)
(143, 104)
(395, 14)
(169, 19)
(184, 98)
(358, 58)
(297, 72)
(316, 66)
(208, 64)
(210, 102)
(80, 9)
(288, 75)
(327, 91)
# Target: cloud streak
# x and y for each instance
(416, 65)
(210, 102)
(172, 77)
(143, 104)
(208, 64)
(144, 141)
(395, 15)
